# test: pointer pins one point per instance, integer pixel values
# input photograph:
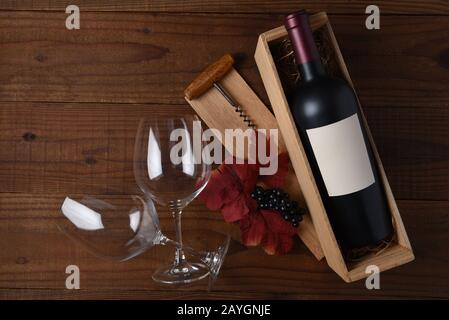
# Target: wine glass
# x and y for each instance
(120, 227)
(170, 168)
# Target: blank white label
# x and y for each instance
(342, 157)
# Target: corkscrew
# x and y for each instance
(210, 77)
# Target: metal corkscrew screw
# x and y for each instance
(209, 78)
(235, 105)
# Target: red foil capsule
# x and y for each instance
(300, 33)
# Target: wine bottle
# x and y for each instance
(328, 119)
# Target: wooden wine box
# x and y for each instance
(399, 251)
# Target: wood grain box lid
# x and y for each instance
(399, 252)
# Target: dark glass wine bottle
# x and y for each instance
(328, 120)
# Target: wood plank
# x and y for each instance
(413, 148)
(150, 58)
(35, 255)
(47, 148)
(64, 148)
(247, 6)
(130, 294)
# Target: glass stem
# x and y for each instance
(179, 253)
(205, 257)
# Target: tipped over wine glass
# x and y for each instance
(122, 227)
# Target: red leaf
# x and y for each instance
(285, 244)
(277, 224)
(277, 244)
(253, 229)
(270, 243)
(235, 210)
(229, 190)
(247, 173)
(222, 188)
(279, 236)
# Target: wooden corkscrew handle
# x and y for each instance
(206, 79)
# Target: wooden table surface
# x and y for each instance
(70, 101)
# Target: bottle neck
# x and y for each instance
(303, 44)
(311, 70)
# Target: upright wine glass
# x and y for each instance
(168, 166)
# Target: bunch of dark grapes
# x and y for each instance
(278, 200)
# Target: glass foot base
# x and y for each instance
(218, 258)
(184, 272)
